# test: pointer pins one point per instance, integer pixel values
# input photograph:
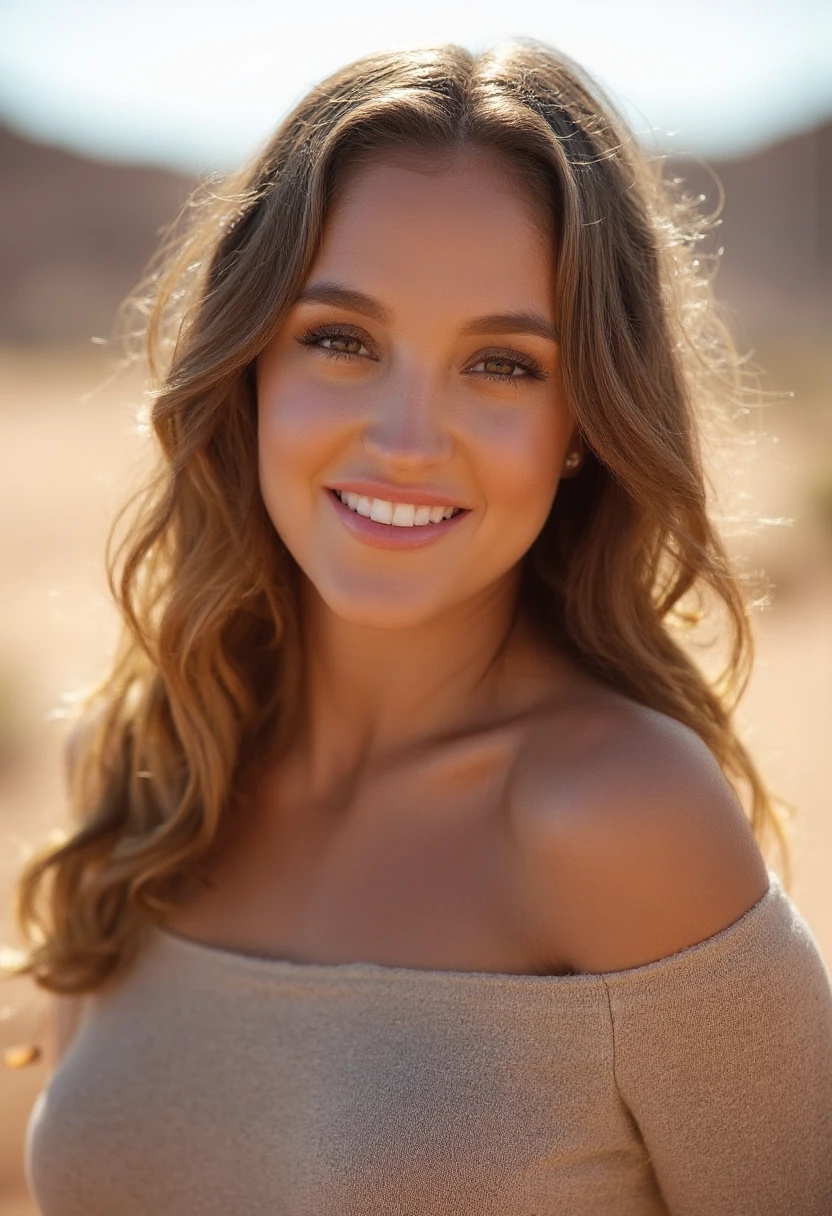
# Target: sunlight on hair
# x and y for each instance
(627, 578)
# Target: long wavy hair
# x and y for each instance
(208, 669)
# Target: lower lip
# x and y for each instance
(389, 536)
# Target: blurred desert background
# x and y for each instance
(75, 236)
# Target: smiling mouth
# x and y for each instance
(402, 515)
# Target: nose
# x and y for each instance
(408, 427)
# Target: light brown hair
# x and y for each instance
(208, 667)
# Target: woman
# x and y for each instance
(412, 871)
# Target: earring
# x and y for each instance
(572, 460)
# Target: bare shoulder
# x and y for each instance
(633, 844)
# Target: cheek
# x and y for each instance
(290, 449)
(289, 426)
(298, 426)
(521, 462)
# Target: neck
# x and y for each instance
(372, 694)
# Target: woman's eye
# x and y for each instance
(345, 346)
(500, 367)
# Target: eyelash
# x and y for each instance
(312, 336)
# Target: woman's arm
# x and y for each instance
(723, 1057)
(646, 871)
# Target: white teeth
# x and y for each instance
(399, 514)
(404, 516)
(381, 511)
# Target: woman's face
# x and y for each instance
(423, 357)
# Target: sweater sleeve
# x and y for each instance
(723, 1056)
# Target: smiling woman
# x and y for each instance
(400, 362)
(418, 868)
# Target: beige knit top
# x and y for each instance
(212, 1083)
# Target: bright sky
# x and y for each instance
(199, 84)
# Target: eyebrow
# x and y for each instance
(521, 322)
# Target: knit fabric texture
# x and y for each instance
(210, 1082)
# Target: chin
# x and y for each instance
(379, 601)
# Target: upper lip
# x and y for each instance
(419, 496)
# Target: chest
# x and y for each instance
(414, 868)
(206, 1085)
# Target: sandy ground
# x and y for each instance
(71, 447)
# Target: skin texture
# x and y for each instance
(529, 820)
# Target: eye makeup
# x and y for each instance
(316, 334)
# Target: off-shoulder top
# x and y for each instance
(212, 1083)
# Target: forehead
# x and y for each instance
(467, 226)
